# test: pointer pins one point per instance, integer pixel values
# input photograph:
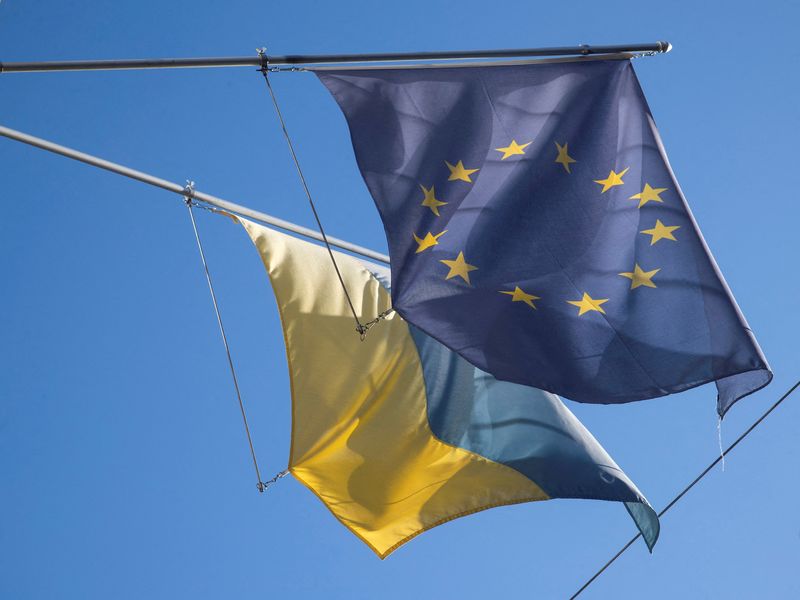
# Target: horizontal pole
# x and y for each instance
(296, 60)
(184, 191)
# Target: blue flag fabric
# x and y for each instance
(536, 228)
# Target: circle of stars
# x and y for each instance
(459, 268)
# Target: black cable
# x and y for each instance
(688, 487)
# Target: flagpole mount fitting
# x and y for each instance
(262, 55)
(266, 68)
(188, 192)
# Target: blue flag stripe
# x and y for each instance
(524, 428)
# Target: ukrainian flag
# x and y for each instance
(397, 434)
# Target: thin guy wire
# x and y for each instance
(359, 327)
(260, 484)
(688, 487)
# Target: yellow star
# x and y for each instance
(459, 172)
(563, 156)
(661, 232)
(430, 200)
(648, 194)
(612, 180)
(639, 277)
(519, 296)
(587, 303)
(459, 267)
(428, 241)
(512, 149)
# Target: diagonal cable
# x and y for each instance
(362, 330)
(261, 485)
(688, 487)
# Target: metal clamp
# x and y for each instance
(262, 54)
(266, 68)
(264, 485)
(364, 329)
(188, 192)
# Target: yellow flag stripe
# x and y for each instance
(360, 434)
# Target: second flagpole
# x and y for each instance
(188, 192)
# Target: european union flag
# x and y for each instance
(536, 228)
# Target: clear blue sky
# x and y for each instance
(124, 467)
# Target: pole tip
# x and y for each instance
(665, 47)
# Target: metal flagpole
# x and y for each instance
(185, 191)
(297, 60)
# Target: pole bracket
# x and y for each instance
(188, 192)
(262, 55)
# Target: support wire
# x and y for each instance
(687, 488)
(189, 202)
(360, 328)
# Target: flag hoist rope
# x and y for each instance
(688, 487)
